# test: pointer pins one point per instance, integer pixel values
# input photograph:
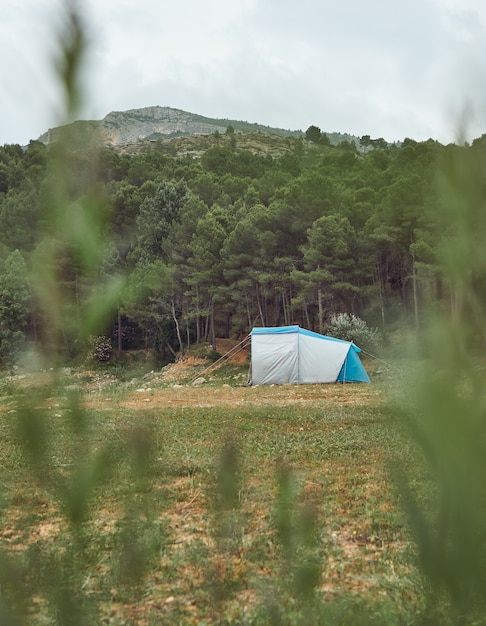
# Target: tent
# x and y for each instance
(290, 354)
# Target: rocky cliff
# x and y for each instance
(152, 123)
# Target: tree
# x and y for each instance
(206, 276)
(147, 302)
(230, 131)
(152, 292)
(365, 141)
(248, 253)
(324, 140)
(125, 202)
(218, 159)
(157, 215)
(14, 306)
(19, 218)
(313, 133)
(327, 264)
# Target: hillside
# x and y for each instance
(121, 129)
(152, 123)
(256, 142)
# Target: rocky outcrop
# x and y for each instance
(153, 123)
(125, 127)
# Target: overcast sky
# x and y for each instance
(384, 68)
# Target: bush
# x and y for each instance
(100, 349)
(352, 328)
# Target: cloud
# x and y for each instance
(360, 66)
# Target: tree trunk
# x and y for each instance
(119, 331)
(171, 349)
(248, 312)
(260, 307)
(198, 319)
(178, 332)
(212, 333)
(321, 311)
(415, 301)
(306, 314)
(287, 306)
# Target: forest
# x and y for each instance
(195, 248)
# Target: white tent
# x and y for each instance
(290, 354)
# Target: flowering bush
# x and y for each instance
(100, 349)
(352, 328)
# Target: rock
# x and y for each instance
(198, 382)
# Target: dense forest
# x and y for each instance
(209, 246)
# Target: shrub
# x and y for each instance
(352, 328)
(100, 349)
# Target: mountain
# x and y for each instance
(149, 124)
(138, 129)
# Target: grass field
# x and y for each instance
(150, 501)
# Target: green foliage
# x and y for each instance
(156, 218)
(15, 299)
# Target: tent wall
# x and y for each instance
(320, 361)
(352, 370)
(274, 359)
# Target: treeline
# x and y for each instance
(210, 246)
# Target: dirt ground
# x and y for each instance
(190, 382)
(246, 396)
